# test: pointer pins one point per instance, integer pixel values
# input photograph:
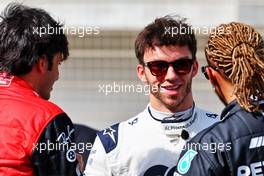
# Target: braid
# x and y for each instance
(238, 51)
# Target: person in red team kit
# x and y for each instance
(35, 135)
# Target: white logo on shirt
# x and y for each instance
(71, 155)
(5, 80)
(256, 142)
(110, 131)
(66, 139)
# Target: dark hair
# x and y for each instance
(165, 31)
(21, 43)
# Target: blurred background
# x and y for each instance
(101, 36)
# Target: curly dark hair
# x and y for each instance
(238, 51)
(21, 43)
(165, 31)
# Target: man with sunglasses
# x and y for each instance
(149, 143)
(236, 70)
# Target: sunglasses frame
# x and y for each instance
(203, 70)
(173, 64)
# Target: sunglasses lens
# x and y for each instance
(183, 66)
(158, 68)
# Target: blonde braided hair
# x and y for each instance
(238, 51)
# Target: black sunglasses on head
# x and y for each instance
(180, 66)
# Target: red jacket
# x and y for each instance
(23, 117)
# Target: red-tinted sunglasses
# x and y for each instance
(160, 68)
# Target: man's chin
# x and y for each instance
(172, 104)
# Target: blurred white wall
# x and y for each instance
(134, 14)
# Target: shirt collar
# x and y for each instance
(181, 116)
(14, 81)
(230, 109)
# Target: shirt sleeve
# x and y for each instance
(97, 162)
(54, 154)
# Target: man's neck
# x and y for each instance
(227, 89)
(31, 81)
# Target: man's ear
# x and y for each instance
(213, 75)
(195, 68)
(141, 73)
(42, 64)
(222, 87)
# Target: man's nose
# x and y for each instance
(171, 74)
